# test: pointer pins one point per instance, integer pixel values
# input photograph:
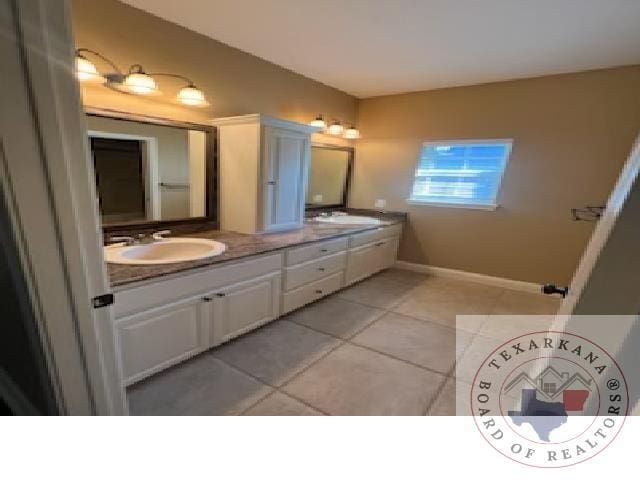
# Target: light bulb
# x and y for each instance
(335, 128)
(140, 83)
(318, 122)
(351, 133)
(190, 95)
(85, 70)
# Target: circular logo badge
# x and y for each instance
(549, 399)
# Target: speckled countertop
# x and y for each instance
(243, 245)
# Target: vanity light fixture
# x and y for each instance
(135, 81)
(318, 122)
(138, 81)
(335, 128)
(351, 133)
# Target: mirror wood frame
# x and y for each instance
(211, 168)
(347, 182)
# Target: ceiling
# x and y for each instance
(378, 47)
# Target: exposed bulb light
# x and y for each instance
(191, 96)
(86, 71)
(137, 81)
(318, 122)
(335, 128)
(351, 133)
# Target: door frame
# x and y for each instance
(149, 169)
(47, 179)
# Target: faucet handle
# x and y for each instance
(121, 239)
(160, 235)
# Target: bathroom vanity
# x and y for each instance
(167, 313)
(238, 190)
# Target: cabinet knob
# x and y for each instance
(220, 295)
(321, 269)
(271, 182)
(323, 250)
(206, 299)
(318, 291)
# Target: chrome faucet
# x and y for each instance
(140, 238)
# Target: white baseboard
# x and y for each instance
(470, 277)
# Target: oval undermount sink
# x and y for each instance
(167, 250)
(349, 220)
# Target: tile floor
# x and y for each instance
(389, 345)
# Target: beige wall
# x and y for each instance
(572, 133)
(234, 82)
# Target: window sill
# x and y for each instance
(469, 206)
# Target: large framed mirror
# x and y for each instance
(329, 176)
(152, 171)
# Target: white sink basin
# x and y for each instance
(349, 220)
(167, 250)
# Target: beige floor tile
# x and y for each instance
(276, 352)
(200, 386)
(377, 292)
(336, 316)
(506, 327)
(279, 404)
(423, 343)
(403, 276)
(355, 381)
(473, 357)
(452, 400)
(513, 302)
(441, 300)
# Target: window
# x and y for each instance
(549, 388)
(463, 173)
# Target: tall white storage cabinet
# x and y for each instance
(263, 169)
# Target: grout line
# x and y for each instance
(437, 395)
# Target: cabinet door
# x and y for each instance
(155, 339)
(244, 306)
(361, 262)
(285, 167)
(389, 252)
(368, 259)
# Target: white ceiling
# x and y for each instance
(377, 47)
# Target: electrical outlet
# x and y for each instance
(380, 203)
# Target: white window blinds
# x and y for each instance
(464, 173)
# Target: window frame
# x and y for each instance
(471, 206)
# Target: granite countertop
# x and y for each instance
(244, 245)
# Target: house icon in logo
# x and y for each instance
(553, 386)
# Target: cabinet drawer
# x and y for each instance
(316, 250)
(374, 235)
(152, 341)
(313, 270)
(311, 292)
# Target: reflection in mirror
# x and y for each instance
(147, 172)
(329, 176)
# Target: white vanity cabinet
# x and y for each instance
(155, 339)
(167, 321)
(263, 170)
(241, 307)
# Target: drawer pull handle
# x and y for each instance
(323, 250)
(321, 269)
(379, 244)
(206, 299)
(318, 291)
(219, 295)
